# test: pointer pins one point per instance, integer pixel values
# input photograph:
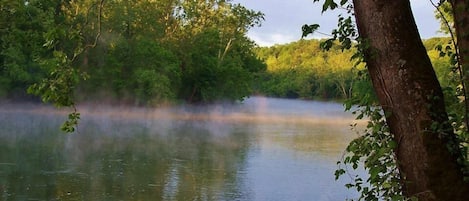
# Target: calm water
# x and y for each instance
(263, 149)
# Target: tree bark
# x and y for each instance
(411, 96)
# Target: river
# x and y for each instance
(264, 149)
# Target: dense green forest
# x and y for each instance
(153, 52)
(303, 70)
(128, 51)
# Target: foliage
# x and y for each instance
(375, 145)
(131, 51)
(209, 74)
(39, 43)
(48, 47)
(216, 56)
(20, 46)
(141, 67)
(445, 16)
(303, 70)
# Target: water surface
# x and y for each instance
(262, 149)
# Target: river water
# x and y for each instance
(262, 149)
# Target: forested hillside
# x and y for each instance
(302, 70)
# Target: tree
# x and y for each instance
(425, 146)
(410, 94)
(301, 70)
(20, 42)
(216, 57)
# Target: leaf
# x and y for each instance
(387, 185)
(442, 54)
(339, 173)
(327, 44)
(309, 29)
(393, 144)
(329, 4)
(71, 123)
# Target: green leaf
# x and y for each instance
(327, 44)
(393, 144)
(329, 4)
(339, 173)
(309, 29)
(71, 123)
(442, 54)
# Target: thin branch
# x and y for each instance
(95, 42)
(325, 34)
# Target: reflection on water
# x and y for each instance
(262, 149)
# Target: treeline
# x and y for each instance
(303, 70)
(151, 52)
(132, 51)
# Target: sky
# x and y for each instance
(284, 19)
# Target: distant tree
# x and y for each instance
(212, 45)
(21, 42)
(302, 70)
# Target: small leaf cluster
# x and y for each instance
(346, 31)
(375, 150)
(331, 4)
(71, 123)
(59, 86)
(309, 29)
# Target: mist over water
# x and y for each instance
(260, 149)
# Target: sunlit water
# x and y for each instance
(262, 149)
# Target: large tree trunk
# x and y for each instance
(411, 96)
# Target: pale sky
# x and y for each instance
(284, 19)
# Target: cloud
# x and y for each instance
(272, 38)
(284, 19)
